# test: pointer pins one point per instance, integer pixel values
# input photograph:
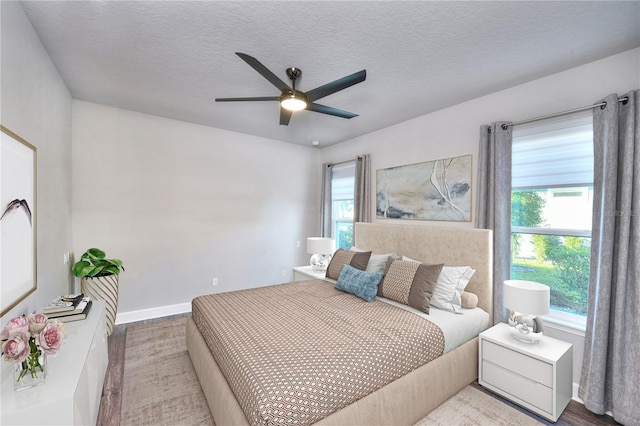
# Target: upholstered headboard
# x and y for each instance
(429, 244)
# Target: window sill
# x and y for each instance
(565, 322)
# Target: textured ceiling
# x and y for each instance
(173, 58)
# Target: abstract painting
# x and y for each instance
(433, 190)
(17, 219)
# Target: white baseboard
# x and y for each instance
(145, 314)
(575, 396)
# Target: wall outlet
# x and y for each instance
(214, 281)
(284, 272)
(298, 243)
(67, 256)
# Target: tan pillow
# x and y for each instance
(410, 283)
(469, 300)
(377, 262)
(342, 257)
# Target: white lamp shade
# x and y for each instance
(321, 245)
(526, 297)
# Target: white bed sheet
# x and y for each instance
(457, 328)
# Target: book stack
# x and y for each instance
(73, 307)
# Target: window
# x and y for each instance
(551, 208)
(342, 188)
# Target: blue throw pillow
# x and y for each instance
(360, 283)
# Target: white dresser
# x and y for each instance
(71, 393)
(537, 376)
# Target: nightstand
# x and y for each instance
(304, 273)
(537, 377)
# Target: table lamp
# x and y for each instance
(526, 299)
(321, 250)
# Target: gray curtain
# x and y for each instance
(362, 191)
(493, 203)
(325, 202)
(610, 369)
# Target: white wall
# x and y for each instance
(36, 105)
(455, 131)
(181, 203)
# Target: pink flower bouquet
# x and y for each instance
(26, 338)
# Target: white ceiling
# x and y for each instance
(173, 58)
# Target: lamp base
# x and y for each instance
(526, 328)
(320, 262)
(530, 338)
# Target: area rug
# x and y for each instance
(471, 406)
(161, 388)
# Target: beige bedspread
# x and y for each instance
(295, 353)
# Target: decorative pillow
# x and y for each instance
(451, 283)
(469, 300)
(410, 283)
(343, 257)
(377, 262)
(360, 283)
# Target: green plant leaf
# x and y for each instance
(112, 270)
(95, 253)
(82, 268)
(93, 263)
(96, 270)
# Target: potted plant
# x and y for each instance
(99, 280)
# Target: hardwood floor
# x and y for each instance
(111, 400)
(574, 415)
(109, 414)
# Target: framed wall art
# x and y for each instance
(433, 190)
(17, 219)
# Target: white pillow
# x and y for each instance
(377, 262)
(451, 283)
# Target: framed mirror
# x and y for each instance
(18, 251)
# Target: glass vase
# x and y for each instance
(30, 372)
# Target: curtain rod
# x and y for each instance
(602, 105)
(344, 162)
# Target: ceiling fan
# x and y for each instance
(292, 99)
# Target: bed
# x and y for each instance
(407, 398)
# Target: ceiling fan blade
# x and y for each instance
(264, 71)
(330, 110)
(337, 85)
(285, 116)
(260, 98)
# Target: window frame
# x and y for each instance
(350, 168)
(570, 322)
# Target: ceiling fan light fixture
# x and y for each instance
(294, 101)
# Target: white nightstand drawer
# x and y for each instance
(518, 386)
(520, 364)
